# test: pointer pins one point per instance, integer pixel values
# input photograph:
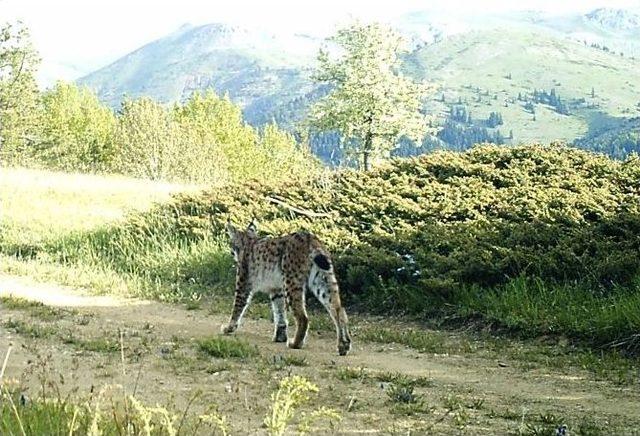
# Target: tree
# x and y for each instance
(76, 130)
(149, 141)
(371, 104)
(18, 92)
(494, 120)
(223, 140)
(227, 147)
(205, 139)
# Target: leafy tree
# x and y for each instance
(372, 105)
(220, 134)
(205, 139)
(281, 156)
(149, 141)
(18, 93)
(225, 145)
(76, 129)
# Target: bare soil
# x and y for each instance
(150, 348)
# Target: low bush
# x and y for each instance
(436, 223)
(420, 234)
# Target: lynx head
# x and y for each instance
(240, 239)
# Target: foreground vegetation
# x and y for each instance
(114, 409)
(164, 367)
(485, 238)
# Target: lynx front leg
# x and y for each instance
(242, 300)
(278, 307)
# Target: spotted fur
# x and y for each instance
(286, 268)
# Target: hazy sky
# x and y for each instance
(75, 36)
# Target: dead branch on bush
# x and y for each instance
(304, 212)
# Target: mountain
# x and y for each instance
(544, 78)
(256, 68)
(499, 70)
(615, 20)
(610, 29)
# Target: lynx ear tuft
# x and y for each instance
(253, 227)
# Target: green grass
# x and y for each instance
(293, 360)
(399, 378)
(535, 60)
(35, 308)
(533, 308)
(32, 330)
(42, 417)
(171, 263)
(421, 340)
(41, 204)
(226, 348)
(95, 345)
(402, 391)
(65, 240)
(108, 412)
(112, 411)
(523, 212)
(347, 373)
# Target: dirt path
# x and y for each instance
(490, 393)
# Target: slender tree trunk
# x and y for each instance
(366, 153)
(365, 161)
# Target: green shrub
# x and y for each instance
(447, 220)
(418, 234)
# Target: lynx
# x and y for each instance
(285, 268)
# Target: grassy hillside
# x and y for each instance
(503, 63)
(539, 239)
(617, 139)
(36, 201)
(39, 208)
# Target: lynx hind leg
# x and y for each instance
(324, 286)
(297, 301)
(278, 307)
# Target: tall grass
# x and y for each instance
(534, 307)
(48, 203)
(72, 228)
(113, 410)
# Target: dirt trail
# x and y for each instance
(159, 341)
